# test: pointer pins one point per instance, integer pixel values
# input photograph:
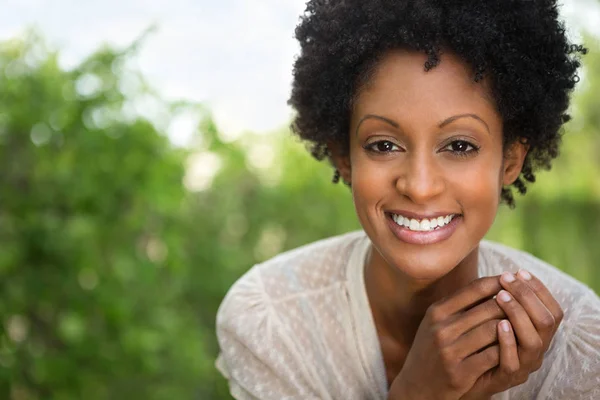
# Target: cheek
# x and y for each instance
(370, 181)
(477, 181)
(477, 187)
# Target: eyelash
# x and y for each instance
(371, 147)
(465, 153)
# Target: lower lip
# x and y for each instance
(423, 237)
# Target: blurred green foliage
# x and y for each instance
(111, 269)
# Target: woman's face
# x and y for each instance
(426, 163)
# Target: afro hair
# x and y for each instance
(519, 46)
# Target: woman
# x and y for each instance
(430, 111)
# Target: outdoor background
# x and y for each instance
(120, 235)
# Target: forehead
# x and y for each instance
(400, 87)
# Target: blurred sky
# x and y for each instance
(234, 55)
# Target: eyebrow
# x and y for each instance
(445, 122)
(455, 117)
(379, 117)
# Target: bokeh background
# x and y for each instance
(141, 173)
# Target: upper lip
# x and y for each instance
(413, 215)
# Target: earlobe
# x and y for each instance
(513, 161)
(341, 161)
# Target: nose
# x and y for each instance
(420, 178)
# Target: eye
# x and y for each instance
(461, 148)
(382, 146)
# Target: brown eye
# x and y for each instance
(382, 146)
(460, 146)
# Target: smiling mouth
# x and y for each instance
(422, 225)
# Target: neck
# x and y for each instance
(399, 303)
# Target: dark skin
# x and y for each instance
(397, 327)
(427, 144)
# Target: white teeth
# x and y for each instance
(399, 219)
(423, 225)
(414, 225)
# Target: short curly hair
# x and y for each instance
(520, 46)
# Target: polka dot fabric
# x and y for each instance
(299, 326)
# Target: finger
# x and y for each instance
(461, 323)
(467, 297)
(482, 361)
(529, 341)
(540, 316)
(476, 339)
(542, 292)
(509, 356)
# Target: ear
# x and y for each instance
(341, 161)
(514, 158)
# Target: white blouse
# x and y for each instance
(299, 326)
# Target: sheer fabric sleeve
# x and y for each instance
(576, 374)
(257, 358)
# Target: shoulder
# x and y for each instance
(269, 322)
(498, 258)
(311, 267)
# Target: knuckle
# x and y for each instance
(441, 337)
(491, 307)
(547, 321)
(448, 359)
(492, 356)
(533, 346)
(483, 286)
(488, 358)
(480, 286)
(509, 369)
(436, 313)
(538, 344)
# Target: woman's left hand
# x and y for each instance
(534, 317)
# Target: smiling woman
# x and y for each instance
(430, 111)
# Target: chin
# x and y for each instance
(424, 264)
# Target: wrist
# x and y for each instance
(398, 392)
(403, 391)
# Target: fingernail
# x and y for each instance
(525, 275)
(504, 296)
(508, 277)
(504, 326)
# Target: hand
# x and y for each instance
(534, 317)
(451, 349)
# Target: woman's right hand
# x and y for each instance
(446, 357)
